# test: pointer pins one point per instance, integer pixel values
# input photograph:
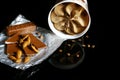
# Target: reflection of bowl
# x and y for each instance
(68, 55)
(64, 32)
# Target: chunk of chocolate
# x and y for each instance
(22, 28)
(11, 49)
(13, 44)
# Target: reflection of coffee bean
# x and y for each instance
(70, 18)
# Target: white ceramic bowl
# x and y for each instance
(63, 35)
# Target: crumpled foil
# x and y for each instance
(50, 39)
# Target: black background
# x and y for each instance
(93, 66)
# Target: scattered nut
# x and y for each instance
(79, 39)
(41, 37)
(68, 44)
(34, 48)
(87, 36)
(26, 43)
(73, 40)
(83, 45)
(26, 36)
(13, 58)
(19, 54)
(18, 60)
(88, 45)
(21, 41)
(93, 46)
(38, 33)
(60, 50)
(77, 55)
(68, 54)
(27, 59)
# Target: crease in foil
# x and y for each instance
(50, 39)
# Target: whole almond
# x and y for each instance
(34, 48)
(13, 58)
(26, 43)
(27, 59)
(19, 54)
(18, 60)
(22, 39)
(26, 36)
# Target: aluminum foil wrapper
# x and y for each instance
(50, 39)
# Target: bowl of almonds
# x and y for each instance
(69, 19)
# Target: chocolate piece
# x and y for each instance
(23, 28)
(11, 49)
(28, 51)
(13, 42)
(12, 39)
(36, 42)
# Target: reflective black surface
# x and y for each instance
(69, 55)
(38, 12)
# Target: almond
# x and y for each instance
(27, 59)
(19, 54)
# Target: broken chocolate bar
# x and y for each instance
(23, 28)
